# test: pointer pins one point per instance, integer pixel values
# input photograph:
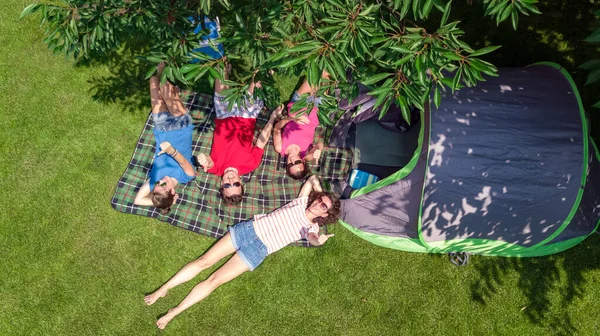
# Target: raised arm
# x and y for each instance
(141, 198)
(316, 240)
(265, 134)
(312, 183)
(277, 140)
(314, 153)
(174, 153)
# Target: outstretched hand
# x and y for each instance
(302, 120)
(166, 148)
(323, 238)
(204, 161)
(277, 112)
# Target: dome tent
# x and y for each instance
(506, 168)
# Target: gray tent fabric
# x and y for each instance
(394, 209)
(499, 172)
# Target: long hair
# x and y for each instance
(300, 175)
(163, 201)
(333, 212)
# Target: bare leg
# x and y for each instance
(158, 104)
(170, 94)
(221, 249)
(233, 268)
(219, 86)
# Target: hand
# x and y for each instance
(204, 161)
(166, 148)
(277, 112)
(317, 155)
(323, 238)
(302, 120)
(317, 152)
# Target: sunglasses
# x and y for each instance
(324, 206)
(291, 164)
(161, 184)
(235, 184)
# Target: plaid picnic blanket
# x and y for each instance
(199, 207)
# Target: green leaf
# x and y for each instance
(456, 80)
(593, 77)
(484, 51)
(452, 56)
(437, 97)
(427, 8)
(291, 62)
(401, 49)
(29, 10)
(446, 14)
(591, 64)
(380, 90)
(505, 13)
(150, 72)
(515, 19)
(403, 60)
(531, 7)
(594, 37)
(405, 7)
(376, 78)
(188, 67)
(404, 108)
(214, 73)
(597, 105)
(312, 45)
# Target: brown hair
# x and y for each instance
(334, 211)
(163, 201)
(300, 175)
(232, 200)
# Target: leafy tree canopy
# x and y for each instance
(381, 43)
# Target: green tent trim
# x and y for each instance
(476, 245)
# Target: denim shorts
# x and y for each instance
(250, 108)
(164, 121)
(310, 99)
(247, 244)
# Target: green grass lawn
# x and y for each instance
(71, 265)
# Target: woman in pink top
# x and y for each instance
(293, 135)
(251, 241)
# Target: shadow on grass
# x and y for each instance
(538, 278)
(126, 84)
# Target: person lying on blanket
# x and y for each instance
(251, 241)
(173, 133)
(232, 153)
(295, 141)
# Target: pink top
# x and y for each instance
(297, 134)
(282, 226)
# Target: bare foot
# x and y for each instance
(150, 299)
(160, 67)
(163, 321)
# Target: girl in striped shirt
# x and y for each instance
(251, 241)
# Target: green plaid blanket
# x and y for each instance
(199, 207)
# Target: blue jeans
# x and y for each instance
(164, 121)
(247, 244)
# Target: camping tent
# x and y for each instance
(505, 168)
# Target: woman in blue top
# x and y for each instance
(173, 132)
